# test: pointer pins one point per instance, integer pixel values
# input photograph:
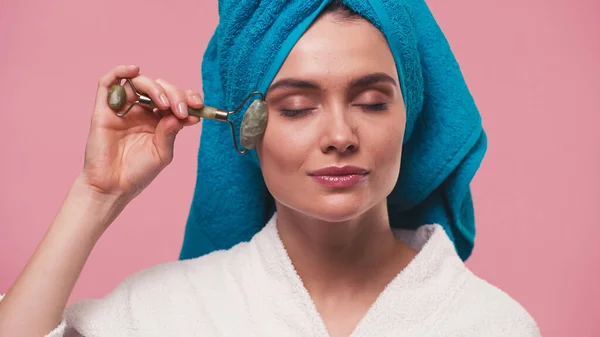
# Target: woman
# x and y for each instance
(326, 264)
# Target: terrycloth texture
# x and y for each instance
(443, 146)
(253, 290)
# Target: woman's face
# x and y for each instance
(336, 122)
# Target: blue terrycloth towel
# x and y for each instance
(443, 146)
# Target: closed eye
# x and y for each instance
(374, 107)
(295, 113)
(301, 112)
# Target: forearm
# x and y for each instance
(33, 306)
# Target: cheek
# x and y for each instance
(386, 149)
(392, 145)
(287, 143)
(282, 153)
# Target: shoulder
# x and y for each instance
(176, 292)
(471, 306)
(483, 309)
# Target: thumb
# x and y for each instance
(164, 136)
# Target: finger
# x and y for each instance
(152, 88)
(111, 78)
(191, 120)
(164, 136)
(176, 97)
(140, 109)
(101, 104)
(194, 99)
(121, 71)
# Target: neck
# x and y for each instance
(342, 257)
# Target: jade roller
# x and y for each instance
(253, 125)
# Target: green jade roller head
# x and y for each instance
(253, 125)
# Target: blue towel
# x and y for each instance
(443, 146)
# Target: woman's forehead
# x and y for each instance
(339, 49)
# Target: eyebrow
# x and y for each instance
(363, 81)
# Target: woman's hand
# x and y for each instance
(124, 154)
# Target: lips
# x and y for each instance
(339, 171)
(339, 176)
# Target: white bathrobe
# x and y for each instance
(254, 290)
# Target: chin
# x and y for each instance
(336, 208)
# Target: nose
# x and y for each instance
(339, 133)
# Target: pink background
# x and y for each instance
(533, 67)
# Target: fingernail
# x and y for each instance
(197, 98)
(132, 66)
(182, 109)
(164, 100)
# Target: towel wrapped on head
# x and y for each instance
(444, 142)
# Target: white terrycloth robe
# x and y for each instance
(253, 290)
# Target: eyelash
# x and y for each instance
(368, 107)
(294, 113)
(374, 107)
